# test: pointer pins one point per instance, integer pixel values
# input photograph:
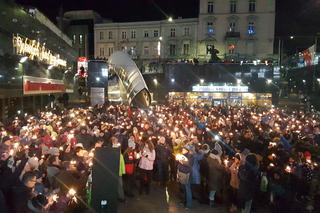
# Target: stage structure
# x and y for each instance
(131, 78)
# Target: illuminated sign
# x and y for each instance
(33, 49)
(199, 88)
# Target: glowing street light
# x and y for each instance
(201, 81)
(238, 81)
(155, 81)
(172, 80)
(269, 81)
(170, 19)
(291, 37)
(23, 59)
(97, 79)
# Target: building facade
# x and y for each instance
(238, 29)
(37, 61)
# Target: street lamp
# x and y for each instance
(291, 37)
(172, 80)
(269, 81)
(238, 81)
(23, 59)
(170, 19)
(201, 81)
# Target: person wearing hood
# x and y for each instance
(163, 154)
(249, 180)
(216, 173)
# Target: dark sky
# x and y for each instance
(294, 17)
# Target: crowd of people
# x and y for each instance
(244, 157)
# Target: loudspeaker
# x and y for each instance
(105, 177)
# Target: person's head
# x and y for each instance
(54, 160)
(29, 179)
(99, 143)
(237, 158)
(37, 203)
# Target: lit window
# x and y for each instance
(210, 7)
(146, 50)
(80, 39)
(173, 32)
(146, 34)
(233, 6)
(110, 35)
(186, 48)
(252, 5)
(74, 39)
(101, 36)
(156, 33)
(186, 31)
(251, 28)
(232, 27)
(172, 49)
(210, 28)
(133, 34)
(231, 48)
(124, 35)
(209, 49)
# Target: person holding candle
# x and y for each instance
(234, 182)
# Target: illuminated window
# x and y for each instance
(252, 5)
(133, 34)
(173, 32)
(124, 35)
(110, 35)
(251, 28)
(186, 31)
(233, 6)
(146, 34)
(210, 28)
(80, 39)
(231, 48)
(209, 48)
(172, 49)
(156, 33)
(74, 39)
(186, 48)
(101, 35)
(210, 6)
(232, 26)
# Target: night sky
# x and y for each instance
(294, 17)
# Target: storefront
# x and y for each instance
(215, 95)
(37, 61)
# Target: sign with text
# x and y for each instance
(199, 88)
(35, 85)
(34, 50)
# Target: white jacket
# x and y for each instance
(147, 159)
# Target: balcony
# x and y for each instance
(232, 35)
